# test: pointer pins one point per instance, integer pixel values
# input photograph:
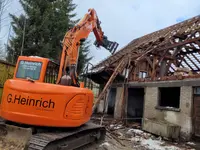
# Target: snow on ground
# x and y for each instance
(115, 127)
(157, 145)
(139, 140)
(136, 131)
(149, 141)
(190, 143)
(105, 144)
(123, 137)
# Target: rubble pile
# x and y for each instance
(143, 140)
(130, 136)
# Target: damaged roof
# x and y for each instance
(101, 76)
(181, 40)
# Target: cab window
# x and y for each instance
(51, 72)
(29, 69)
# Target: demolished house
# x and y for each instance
(158, 83)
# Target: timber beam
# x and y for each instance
(180, 44)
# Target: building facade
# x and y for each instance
(158, 84)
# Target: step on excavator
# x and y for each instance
(44, 106)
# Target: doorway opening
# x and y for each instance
(135, 105)
(111, 101)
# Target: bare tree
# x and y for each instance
(2, 52)
(3, 5)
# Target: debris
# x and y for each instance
(182, 72)
(124, 137)
(129, 134)
(119, 134)
(191, 143)
(118, 127)
(159, 138)
(105, 144)
(115, 137)
(147, 135)
(101, 120)
(136, 131)
(112, 126)
(133, 132)
(108, 135)
(136, 139)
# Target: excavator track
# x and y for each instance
(56, 139)
(69, 139)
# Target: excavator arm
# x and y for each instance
(71, 45)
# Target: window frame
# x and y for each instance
(169, 108)
(26, 77)
(196, 90)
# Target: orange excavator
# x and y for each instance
(44, 107)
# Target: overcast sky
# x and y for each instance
(124, 20)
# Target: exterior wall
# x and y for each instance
(6, 72)
(183, 118)
(118, 103)
(102, 106)
(112, 99)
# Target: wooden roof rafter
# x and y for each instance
(178, 45)
(181, 30)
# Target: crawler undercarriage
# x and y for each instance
(22, 137)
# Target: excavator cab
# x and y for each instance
(36, 69)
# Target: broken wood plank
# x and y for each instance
(122, 64)
(197, 42)
(154, 67)
(149, 61)
(116, 138)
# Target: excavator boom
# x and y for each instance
(73, 39)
